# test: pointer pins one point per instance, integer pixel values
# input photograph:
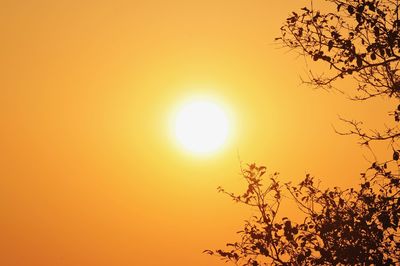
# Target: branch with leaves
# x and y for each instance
(359, 38)
(341, 227)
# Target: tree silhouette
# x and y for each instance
(360, 40)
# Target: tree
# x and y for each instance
(360, 40)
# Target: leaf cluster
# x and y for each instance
(360, 39)
(341, 227)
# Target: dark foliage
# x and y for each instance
(359, 39)
(342, 227)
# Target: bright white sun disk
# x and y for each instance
(201, 126)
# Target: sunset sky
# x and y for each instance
(91, 173)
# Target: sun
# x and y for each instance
(201, 126)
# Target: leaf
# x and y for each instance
(308, 253)
(210, 252)
(300, 32)
(384, 219)
(371, 6)
(359, 61)
(395, 155)
(330, 45)
(350, 9)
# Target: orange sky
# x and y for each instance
(90, 174)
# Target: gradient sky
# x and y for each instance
(90, 173)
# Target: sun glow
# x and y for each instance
(201, 126)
